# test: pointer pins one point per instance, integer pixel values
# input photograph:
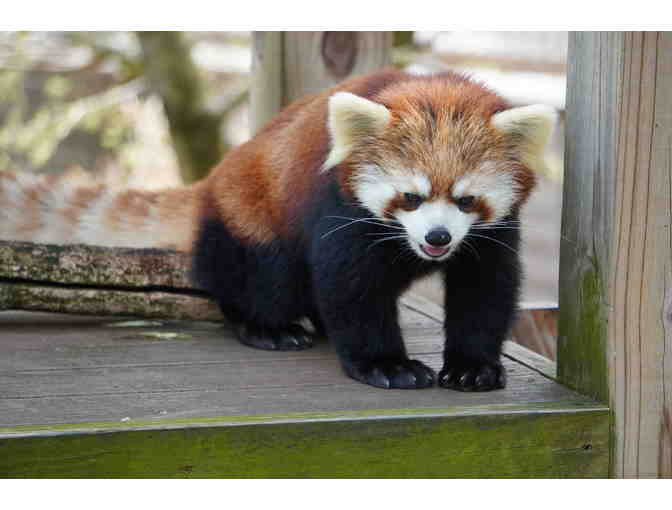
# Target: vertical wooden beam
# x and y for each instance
(315, 61)
(289, 65)
(615, 330)
(266, 90)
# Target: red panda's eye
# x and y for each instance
(413, 200)
(465, 204)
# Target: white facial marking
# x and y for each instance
(375, 188)
(497, 187)
(422, 185)
(430, 215)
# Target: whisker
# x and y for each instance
(369, 218)
(492, 226)
(371, 221)
(378, 241)
(494, 240)
(357, 220)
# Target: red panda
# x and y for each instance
(330, 212)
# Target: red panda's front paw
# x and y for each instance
(291, 338)
(473, 377)
(388, 374)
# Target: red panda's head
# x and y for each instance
(437, 156)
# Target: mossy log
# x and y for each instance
(149, 283)
(94, 280)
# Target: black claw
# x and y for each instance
(425, 375)
(288, 343)
(404, 380)
(444, 377)
(378, 379)
(401, 374)
(483, 377)
(294, 338)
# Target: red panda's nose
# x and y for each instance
(438, 237)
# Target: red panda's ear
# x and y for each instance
(352, 118)
(530, 128)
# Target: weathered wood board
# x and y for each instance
(615, 327)
(106, 397)
(289, 65)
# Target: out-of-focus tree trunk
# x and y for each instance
(173, 75)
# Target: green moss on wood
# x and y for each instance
(94, 265)
(579, 405)
(538, 444)
(582, 328)
(96, 280)
(110, 302)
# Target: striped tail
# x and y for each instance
(62, 210)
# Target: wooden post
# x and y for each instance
(266, 91)
(289, 65)
(615, 330)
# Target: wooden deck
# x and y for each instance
(104, 397)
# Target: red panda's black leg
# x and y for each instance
(370, 347)
(261, 289)
(373, 350)
(480, 306)
(357, 289)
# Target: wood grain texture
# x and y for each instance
(58, 369)
(99, 301)
(617, 265)
(94, 265)
(96, 280)
(515, 349)
(547, 443)
(98, 397)
(537, 329)
(289, 65)
(267, 78)
(315, 61)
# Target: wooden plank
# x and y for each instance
(184, 399)
(617, 265)
(537, 329)
(317, 386)
(531, 359)
(56, 369)
(551, 442)
(512, 350)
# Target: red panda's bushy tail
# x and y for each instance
(62, 210)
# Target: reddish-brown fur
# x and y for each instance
(259, 189)
(443, 131)
(80, 202)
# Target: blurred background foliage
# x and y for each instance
(113, 102)
(158, 109)
(155, 109)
